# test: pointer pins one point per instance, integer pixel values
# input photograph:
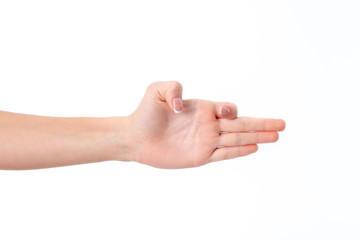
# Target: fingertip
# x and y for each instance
(276, 137)
(224, 111)
(249, 149)
(255, 147)
(282, 125)
(177, 105)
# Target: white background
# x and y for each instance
(295, 60)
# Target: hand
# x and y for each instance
(173, 133)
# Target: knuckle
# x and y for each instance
(176, 85)
(265, 124)
(258, 137)
(239, 139)
(152, 85)
(220, 140)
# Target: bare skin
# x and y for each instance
(199, 133)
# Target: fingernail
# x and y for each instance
(178, 105)
(224, 111)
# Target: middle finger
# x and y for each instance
(245, 138)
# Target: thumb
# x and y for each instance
(170, 92)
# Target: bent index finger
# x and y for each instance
(246, 124)
(226, 110)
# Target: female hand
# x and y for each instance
(170, 132)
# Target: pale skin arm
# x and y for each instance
(161, 132)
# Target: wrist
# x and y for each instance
(119, 139)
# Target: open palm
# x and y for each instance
(203, 132)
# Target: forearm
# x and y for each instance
(29, 141)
